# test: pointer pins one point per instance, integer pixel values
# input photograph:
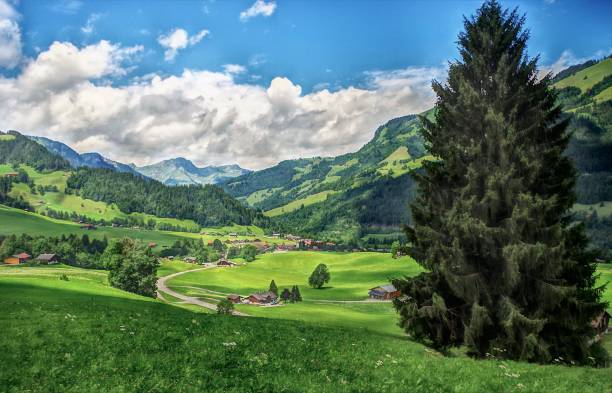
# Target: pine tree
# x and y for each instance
(508, 274)
(285, 295)
(273, 288)
(296, 296)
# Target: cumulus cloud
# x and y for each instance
(64, 65)
(10, 36)
(179, 39)
(260, 7)
(205, 116)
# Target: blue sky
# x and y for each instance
(310, 42)
(150, 80)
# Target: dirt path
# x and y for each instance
(163, 288)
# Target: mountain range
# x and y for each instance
(176, 171)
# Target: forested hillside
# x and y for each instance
(18, 149)
(206, 205)
(362, 197)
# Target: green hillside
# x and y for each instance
(369, 190)
(588, 77)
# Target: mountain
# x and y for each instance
(181, 171)
(76, 160)
(362, 197)
(19, 149)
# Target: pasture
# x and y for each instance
(82, 336)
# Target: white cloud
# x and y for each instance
(205, 116)
(10, 36)
(90, 24)
(64, 65)
(179, 39)
(234, 69)
(67, 6)
(260, 7)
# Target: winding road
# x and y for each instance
(163, 288)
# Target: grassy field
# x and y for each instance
(15, 221)
(588, 77)
(352, 274)
(294, 205)
(82, 336)
(603, 209)
(6, 137)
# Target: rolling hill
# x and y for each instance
(362, 197)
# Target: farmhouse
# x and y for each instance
(235, 298)
(601, 324)
(190, 259)
(11, 174)
(89, 227)
(17, 259)
(48, 259)
(385, 292)
(263, 298)
(225, 262)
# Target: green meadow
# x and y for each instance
(296, 204)
(352, 274)
(81, 335)
(589, 77)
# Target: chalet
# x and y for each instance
(233, 234)
(190, 259)
(17, 259)
(48, 259)
(292, 237)
(170, 257)
(235, 298)
(225, 262)
(11, 174)
(89, 227)
(601, 324)
(263, 298)
(385, 292)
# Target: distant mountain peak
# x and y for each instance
(182, 171)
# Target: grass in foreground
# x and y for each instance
(82, 336)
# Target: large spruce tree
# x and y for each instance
(508, 273)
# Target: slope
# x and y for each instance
(144, 345)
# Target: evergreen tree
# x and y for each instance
(273, 288)
(285, 295)
(296, 296)
(507, 273)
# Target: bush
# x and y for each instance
(225, 307)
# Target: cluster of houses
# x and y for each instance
(47, 259)
(261, 298)
(221, 262)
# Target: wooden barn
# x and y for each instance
(48, 259)
(17, 259)
(263, 298)
(235, 298)
(384, 292)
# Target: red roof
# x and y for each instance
(23, 255)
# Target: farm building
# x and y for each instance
(601, 324)
(89, 227)
(263, 298)
(190, 259)
(11, 174)
(225, 262)
(387, 291)
(235, 298)
(48, 259)
(17, 259)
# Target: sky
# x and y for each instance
(250, 82)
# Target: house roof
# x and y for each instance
(45, 257)
(264, 295)
(385, 288)
(22, 255)
(234, 296)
